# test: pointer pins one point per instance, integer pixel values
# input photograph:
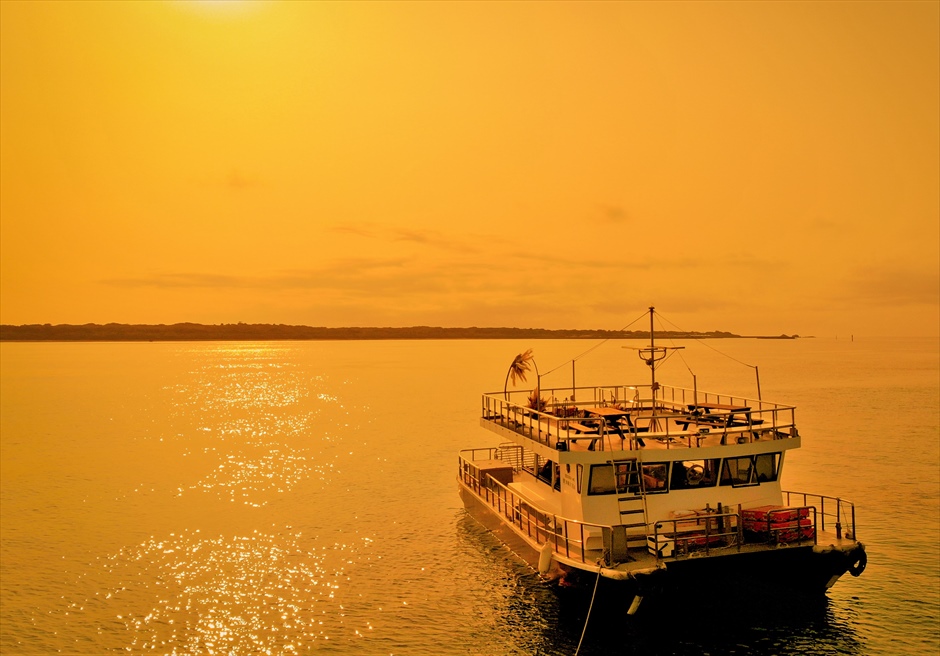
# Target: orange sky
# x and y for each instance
(753, 167)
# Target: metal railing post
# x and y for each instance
(838, 519)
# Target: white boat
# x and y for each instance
(661, 489)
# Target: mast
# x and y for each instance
(650, 354)
(654, 425)
(652, 360)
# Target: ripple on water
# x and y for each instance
(261, 428)
(245, 594)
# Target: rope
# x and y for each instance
(584, 630)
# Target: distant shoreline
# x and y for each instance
(187, 332)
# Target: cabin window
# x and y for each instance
(619, 477)
(544, 468)
(737, 471)
(602, 480)
(751, 470)
(690, 474)
(655, 477)
(549, 472)
(580, 475)
(766, 467)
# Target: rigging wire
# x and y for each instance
(730, 357)
(673, 342)
(751, 366)
(598, 345)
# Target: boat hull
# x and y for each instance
(769, 573)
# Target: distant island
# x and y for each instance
(119, 332)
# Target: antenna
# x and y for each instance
(651, 355)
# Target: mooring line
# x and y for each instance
(593, 594)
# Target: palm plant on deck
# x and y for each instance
(518, 369)
(536, 401)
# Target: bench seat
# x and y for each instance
(581, 428)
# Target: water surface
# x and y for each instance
(296, 497)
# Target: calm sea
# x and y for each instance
(287, 498)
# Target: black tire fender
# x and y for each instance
(859, 562)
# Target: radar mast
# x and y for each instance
(651, 355)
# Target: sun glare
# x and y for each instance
(220, 7)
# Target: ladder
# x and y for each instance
(631, 503)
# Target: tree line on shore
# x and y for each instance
(116, 332)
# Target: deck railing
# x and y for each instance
(568, 537)
(798, 522)
(838, 514)
(665, 417)
(711, 532)
(700, 535)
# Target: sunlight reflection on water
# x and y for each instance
(257, 424)
(258, 593)
(255, 430)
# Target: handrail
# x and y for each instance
(568, 536)
(719, 530)
(779, 530)
(718, 536)
(617, 394)
(840, 512)
(564, 423)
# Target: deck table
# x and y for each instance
(612, 417)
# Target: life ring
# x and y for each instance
(858, 565)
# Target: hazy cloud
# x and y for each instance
(614, 213)
(357, 229)
(823, 224)
(889, 286)
(178, 280)
(237, 180)
(523, 287)
(425, 237)
(367, 277)
(608, 214)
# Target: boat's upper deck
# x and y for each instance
(636, 417)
